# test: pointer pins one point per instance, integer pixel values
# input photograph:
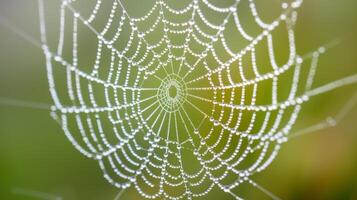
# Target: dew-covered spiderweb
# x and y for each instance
(178, 98)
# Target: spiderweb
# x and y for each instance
(183, 99)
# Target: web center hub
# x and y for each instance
(172, 93)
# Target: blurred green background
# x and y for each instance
(35, 154)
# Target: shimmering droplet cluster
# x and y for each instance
(137, 114)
